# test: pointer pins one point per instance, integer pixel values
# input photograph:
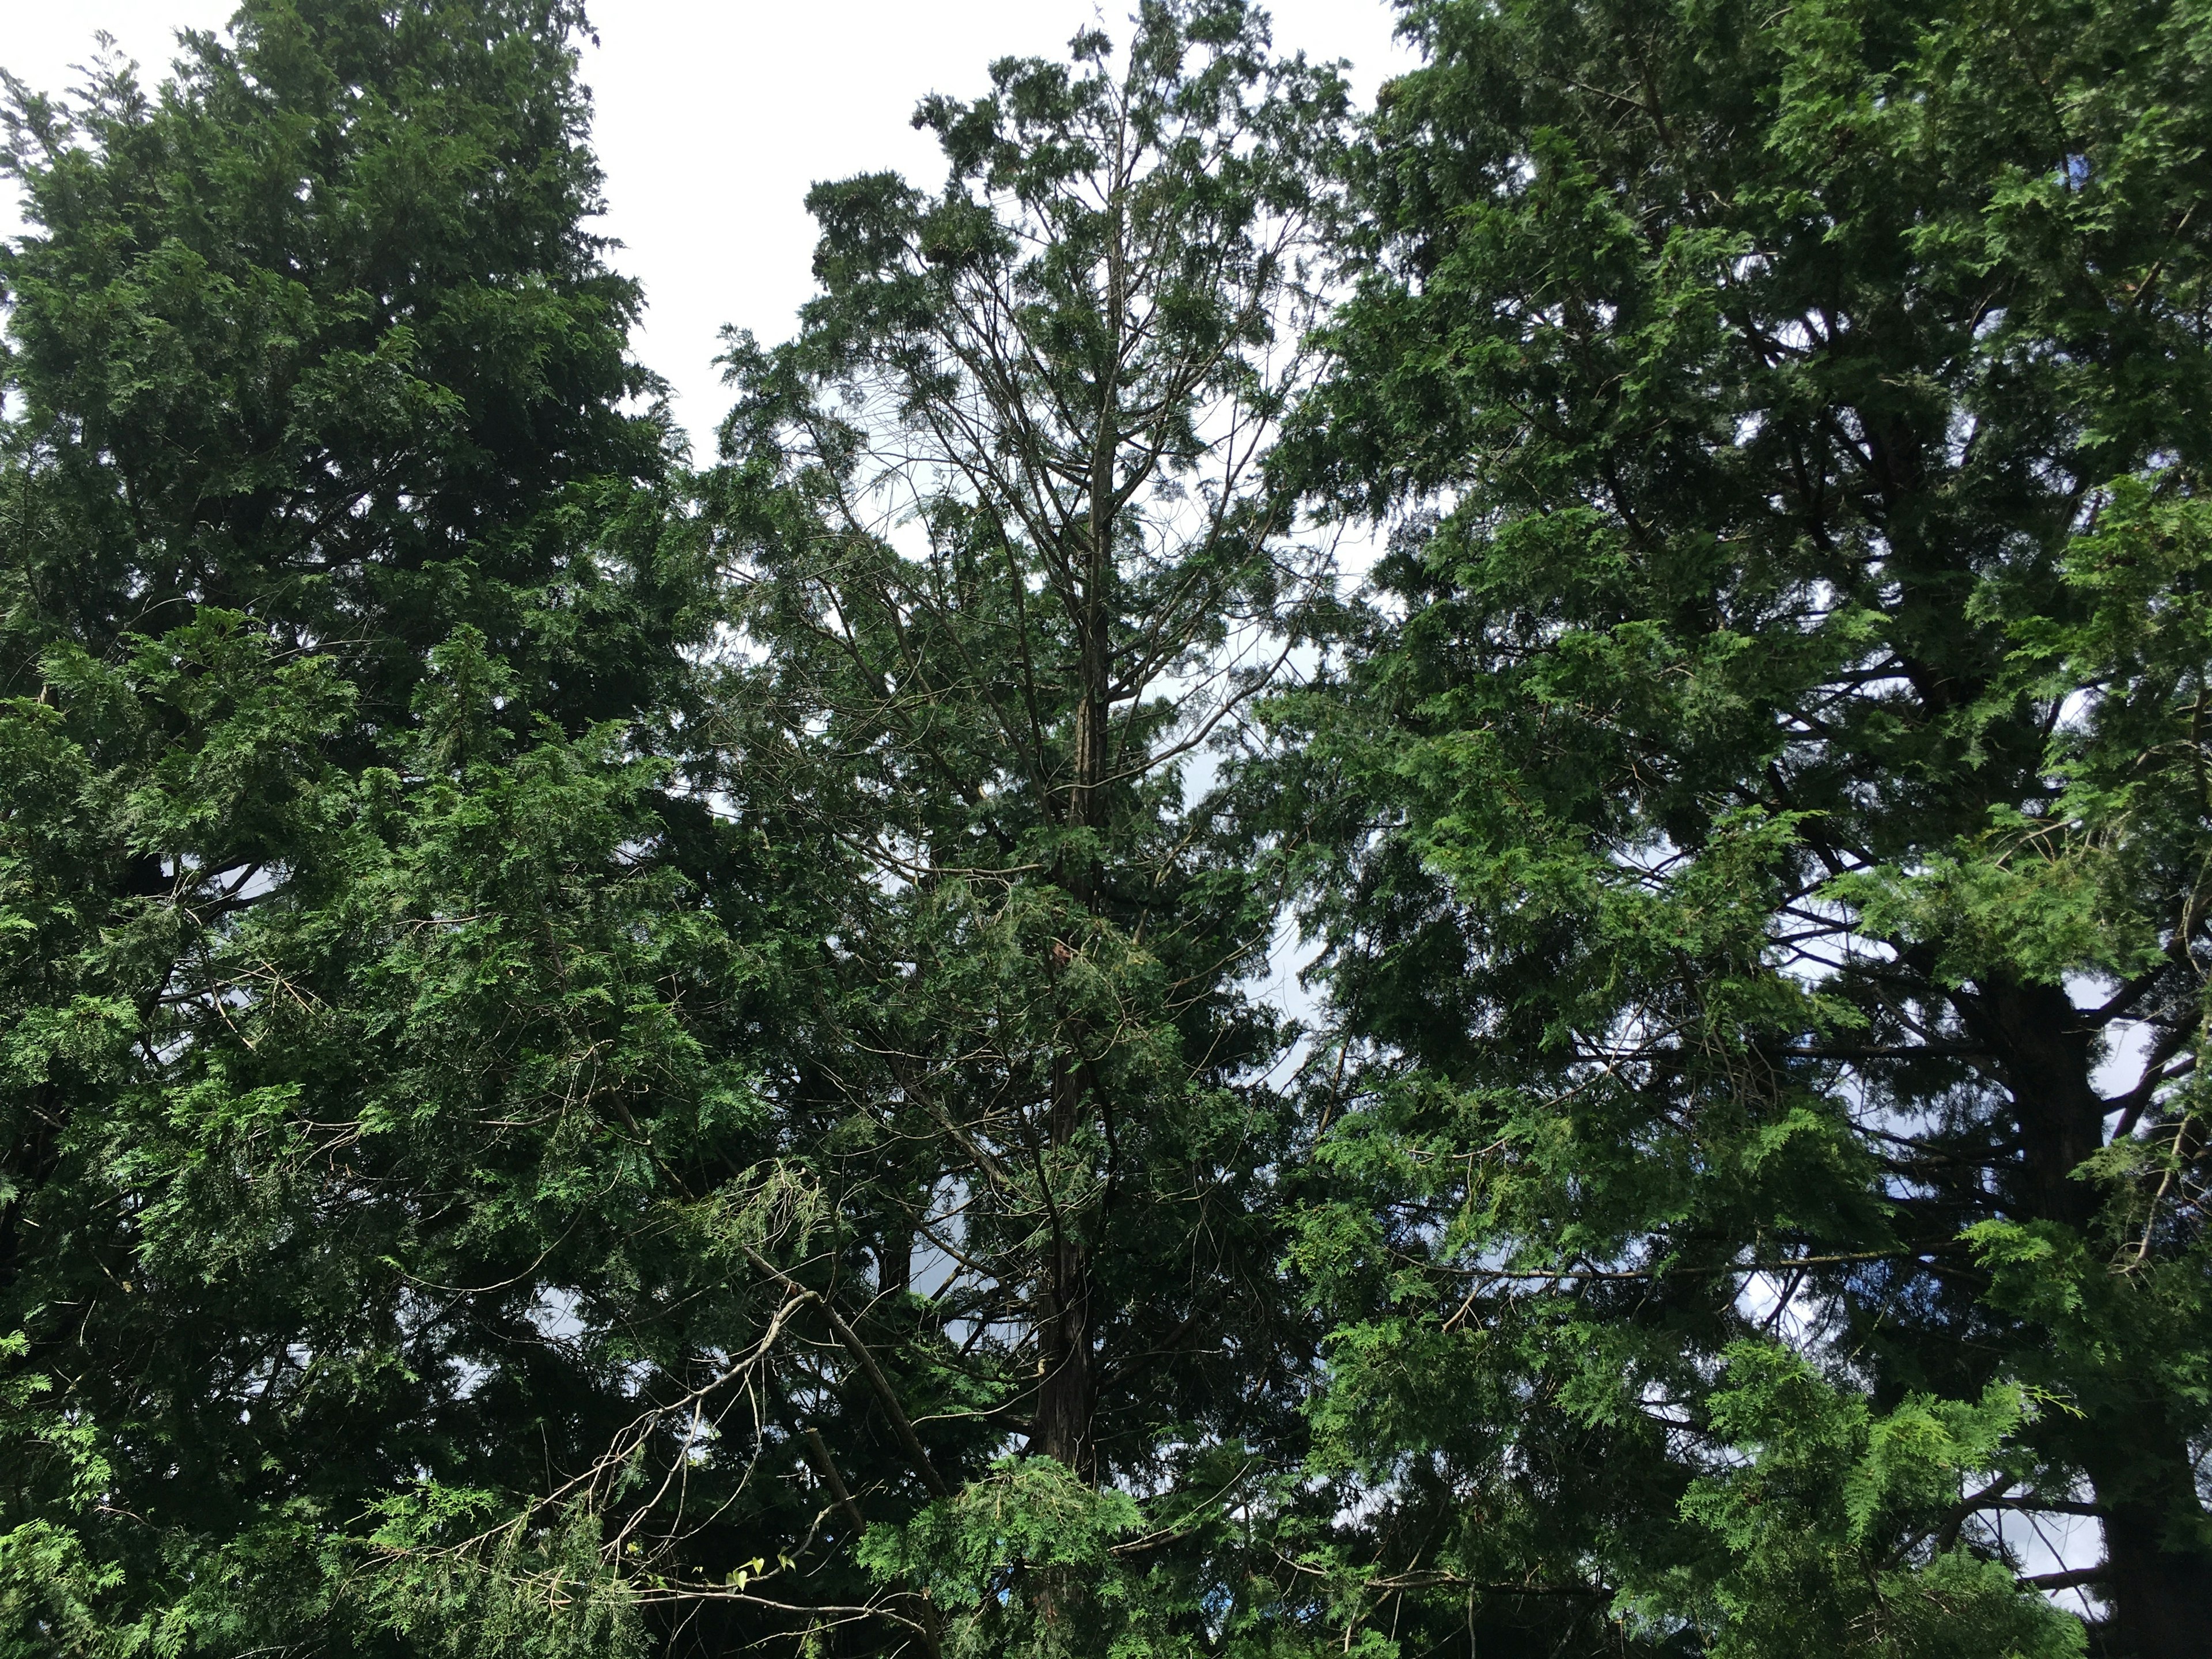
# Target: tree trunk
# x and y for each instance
(1067, 1368)
(2158, 1539)
(1067, 1387)
(2158, 1571)
(1067, 1384)
(2044, 1054)
(894, 1261)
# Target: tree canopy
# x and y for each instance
(1765, 839)
(605, 1058)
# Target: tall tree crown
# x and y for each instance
(383, 1007)
(320, 330)
(1749, 855)
(1013, 564)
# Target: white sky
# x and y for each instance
(714, 116)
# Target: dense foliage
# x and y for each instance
(1765, 844)
(599, 1059)
(384, 1004)
(1011, 558)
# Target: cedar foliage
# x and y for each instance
(1010, 561)
(370, 1028)
(600, 1059)
(1764, 843)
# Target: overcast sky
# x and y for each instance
(714, 116)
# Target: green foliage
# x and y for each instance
(1838, 1531)
(599, 1061)
(1765, 821)
(447, 1584)
(317, 332)
(388, 1022)
(1022, 1562)
(1012, 568)
(324, 1153)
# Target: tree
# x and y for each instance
(321, 334)
(1768, 829)
(1012, 565)
(387, 1011)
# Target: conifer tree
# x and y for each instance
(385, 1011)
(1769, 843)
(1012, 567)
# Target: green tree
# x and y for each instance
(1767, 827)
(1012, 566)
(319, 332)
(390, 1026)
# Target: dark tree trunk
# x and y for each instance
(2158, 1539)
(1068, 1370)
(25, 1166)
(1067, 1383)
(2044, 1054)
(1067, 1389)
(895, 1262)
(2158, 1571)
